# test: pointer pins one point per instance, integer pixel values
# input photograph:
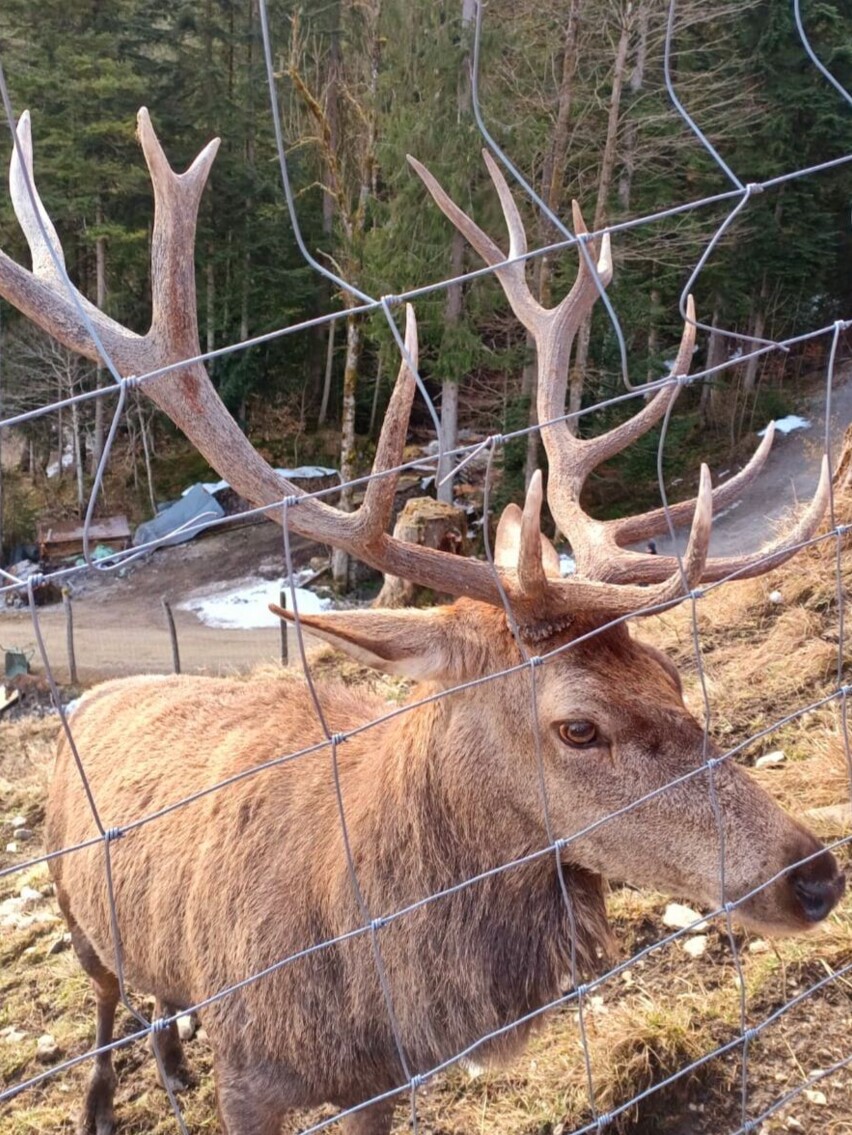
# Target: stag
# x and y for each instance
(574, 762)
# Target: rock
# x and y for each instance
(18, 822)
(22, 834)
(11, 1035)
(696, 946)
(46, 1048)
(187, 1026)
(771, 760)
(814, 1096)
(775, 597)
(61, 943)
(793, 1124)
(678, 917)
(29, 895)
(11, 848)
(758, 946)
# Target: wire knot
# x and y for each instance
(417, 1081)
(160, 1024)
(749, 1035)
(713, 762)
(604, 1120)
(753, 188)
(582, 990)
(729, 907)
(338, 739)
(495, 440)
(536, 660)
(845, 691)
(377, 923)
(35, 580)
(390, 301)
(112, 834)
(683, 379)
(560, 844)
(291, 501)
(131, 381)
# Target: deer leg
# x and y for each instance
(243, 1102)
(375, 1120)
(98, 1117)
(167, 1045)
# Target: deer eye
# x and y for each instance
(579, 734)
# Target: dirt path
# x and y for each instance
(789, 476)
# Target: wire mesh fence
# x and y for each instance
(410, 1063)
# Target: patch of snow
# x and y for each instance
(247, 607)
(567, 564)
(67, 461)
(303, 472)
(788, 424)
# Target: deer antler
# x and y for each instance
(599, 546)
(525, 561)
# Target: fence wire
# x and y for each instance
(373, 922)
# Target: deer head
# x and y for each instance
(611, 726)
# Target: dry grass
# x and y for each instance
(763, 661)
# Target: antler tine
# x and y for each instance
(377, 507)
(633, 529)
(42, 238)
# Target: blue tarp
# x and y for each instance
(183, 520)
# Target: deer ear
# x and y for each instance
(408, 643)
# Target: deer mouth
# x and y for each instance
(799, 900)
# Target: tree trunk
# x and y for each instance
(452, 313)
(711, 394)
(431, 524)
(210, 306)
(354, 342)
(100, 303)
(581, 355)
(78, 457)
(329, 361)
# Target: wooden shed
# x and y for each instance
(63, 540)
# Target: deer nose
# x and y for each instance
(818, 886)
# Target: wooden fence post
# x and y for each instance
(170, 619)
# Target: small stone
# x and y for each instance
(201, 1035)
(793, 1124)
(696, 946)
(46, 1048)
(758, 946)
(12, 848)
(18, 822)
(11, 1035)
(775, 597)
(187, 1025)
(22, 834)
(61, 943)
(814, 1096)
(30, 895)
(678, 917)
(771, 760)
